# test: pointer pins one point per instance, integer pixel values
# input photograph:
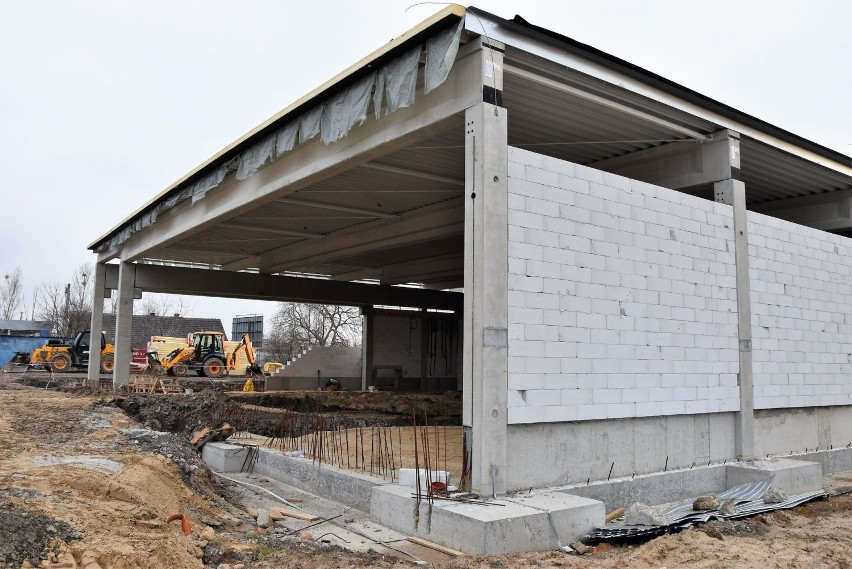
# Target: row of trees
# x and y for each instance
(66, 307)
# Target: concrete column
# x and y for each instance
(486, 294)
(97, 326)
(367, 347)
(732, 192)
(123, 324)
(424, 350)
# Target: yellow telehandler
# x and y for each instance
(64, 357)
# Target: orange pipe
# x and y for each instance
(184, 522)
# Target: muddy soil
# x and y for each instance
(84, 486)
(286, 414)
(435, 406)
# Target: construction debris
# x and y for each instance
(280, 513)
(745, 499)
(728, 507)
(709, 502)
(208, 435)
(639, 514)
(435, 546)
(774, 496)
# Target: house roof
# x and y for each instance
(145, 326)
(24, 325)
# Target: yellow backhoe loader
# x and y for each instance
(205, 355)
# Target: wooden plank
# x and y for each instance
(200, 435)
(282, 512)
(614, 514)
(435, 546)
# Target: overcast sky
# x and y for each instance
(103, 104)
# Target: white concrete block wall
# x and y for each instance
(330, 361)
(801, 295)
(622, 299)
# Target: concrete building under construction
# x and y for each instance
(642, 279)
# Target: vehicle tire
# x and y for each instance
(214, 367)
(60, 362)
(180, 370)
(107, 363)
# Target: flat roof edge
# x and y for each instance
(453, 12)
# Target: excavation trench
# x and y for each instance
(371, 433)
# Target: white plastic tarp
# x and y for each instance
(285, 138)
(441, 53)
(309, 124)
(378, 93)
(200, 188)
(255, 157)
(400, 79)
(348, 107)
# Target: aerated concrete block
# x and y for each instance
(407, 477)
(790, 476)
(224, 457)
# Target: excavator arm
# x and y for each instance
(245, 344)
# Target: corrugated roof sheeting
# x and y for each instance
(576, 129)
(771, 174)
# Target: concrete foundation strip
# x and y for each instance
(451, 499)
(549, 519)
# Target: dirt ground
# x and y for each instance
(84, 485)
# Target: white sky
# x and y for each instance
(103, 104)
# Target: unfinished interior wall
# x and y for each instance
(415, 351)
(801, 286)
(313, 368)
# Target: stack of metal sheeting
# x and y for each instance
(749, 501)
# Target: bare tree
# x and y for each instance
(11, 294)
(165, 305)
(296, 326)
(67, 307)
(111, 303)
(282, 343)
